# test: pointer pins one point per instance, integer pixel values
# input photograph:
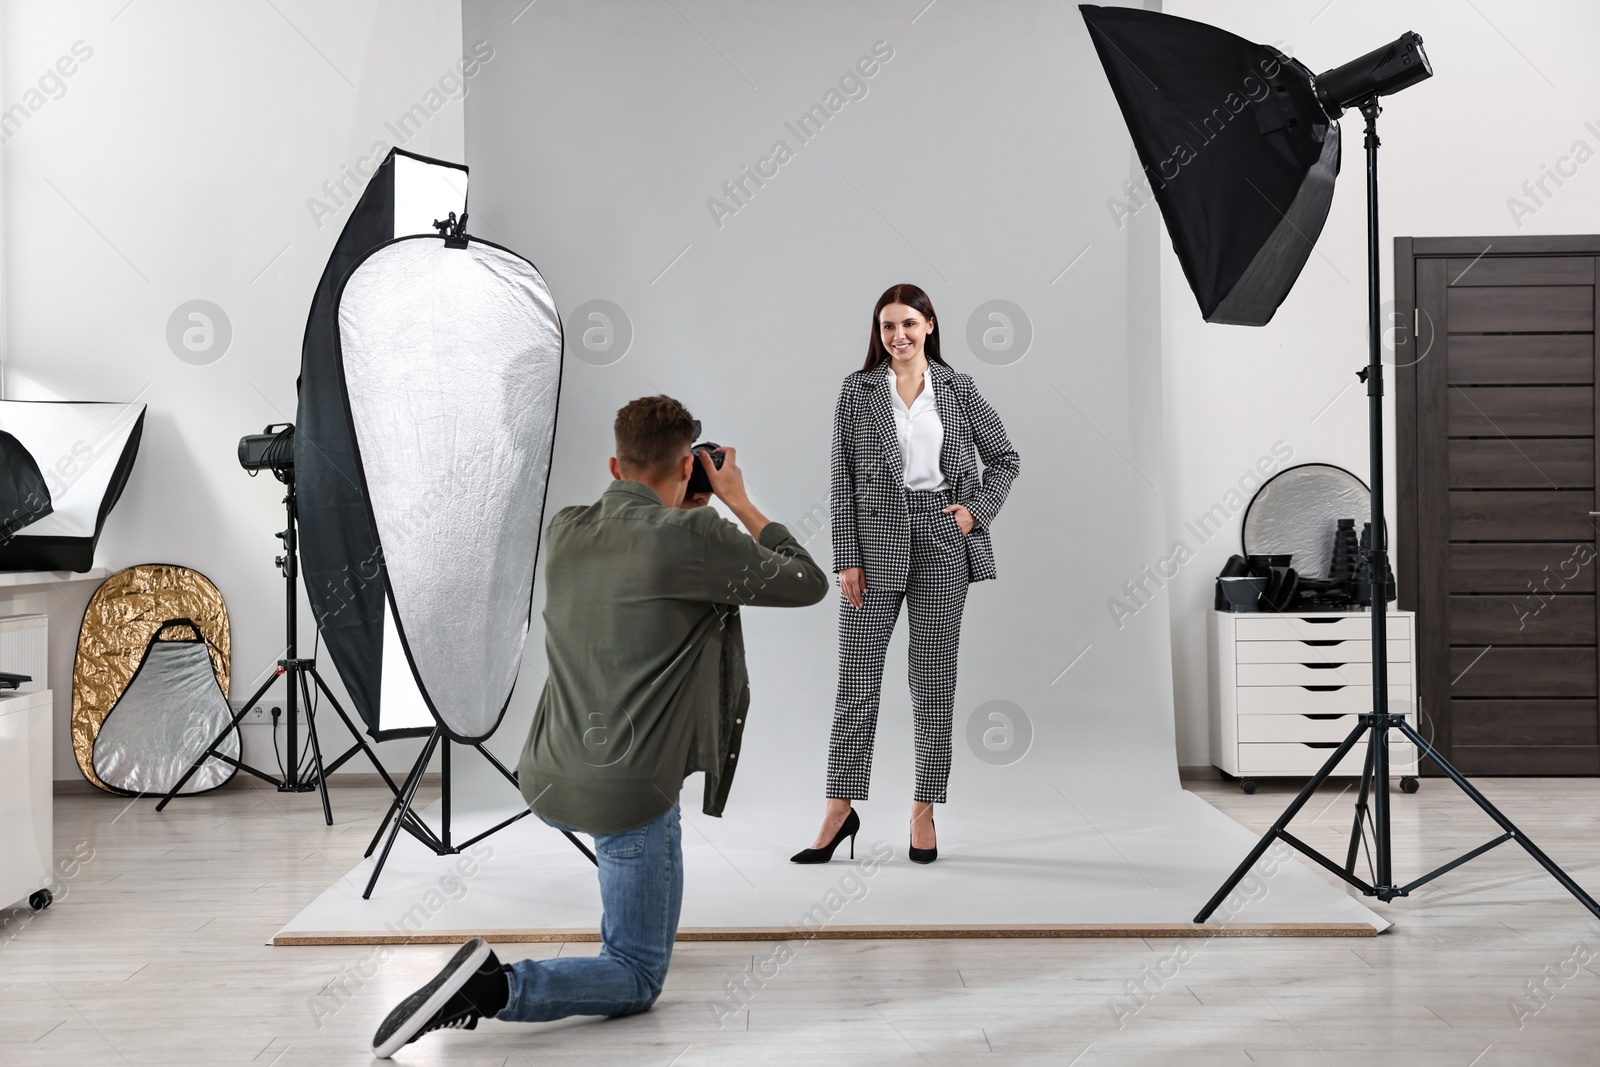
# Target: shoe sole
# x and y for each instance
(405, 1020)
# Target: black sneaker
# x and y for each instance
(447, 1002)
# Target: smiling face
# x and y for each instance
(903, 331)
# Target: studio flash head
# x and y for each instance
(270, 450)
(1397, 65)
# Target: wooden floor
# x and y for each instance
(155, 954)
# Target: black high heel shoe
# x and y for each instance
(852, 823)
(925, 855)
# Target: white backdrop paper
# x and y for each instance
(622, 146)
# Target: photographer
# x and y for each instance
(646, 686)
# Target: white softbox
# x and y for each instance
(53, 508)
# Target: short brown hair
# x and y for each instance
(653, 432)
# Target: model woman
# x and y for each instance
(911, 517)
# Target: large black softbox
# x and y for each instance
(440, 388)
(1237, 151)
(339, 549)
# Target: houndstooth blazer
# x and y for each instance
(867, 499)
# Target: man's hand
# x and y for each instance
(695, 500)
(853, 584)
(727, 482)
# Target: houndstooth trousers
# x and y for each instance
(935, 593)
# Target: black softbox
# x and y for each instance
(339, 549)
(1235, 147)
(429, 380)
(24, 496)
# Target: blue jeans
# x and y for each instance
(641, 894)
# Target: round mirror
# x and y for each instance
(1298, 510)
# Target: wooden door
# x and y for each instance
(1495, 463)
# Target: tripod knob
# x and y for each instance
(280, 560)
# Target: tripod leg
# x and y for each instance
(581, 847)
(511, 777)
(1283, 821)
(1506, 824)
(444, 794)
(1361, 813)
(395, 807)
(505, 772)
(361, 742)
(316, 747)
(195, 766)
(405, 806)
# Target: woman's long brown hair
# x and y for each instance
(911, 296)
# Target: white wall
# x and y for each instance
(1514, 84)
(177, 162)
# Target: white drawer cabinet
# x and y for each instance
(1286, 689)
(26, 836)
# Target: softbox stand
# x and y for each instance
(402, 815)
(301, 673)
(1375, 726)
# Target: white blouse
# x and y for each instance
(921, 435)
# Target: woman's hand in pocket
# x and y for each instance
(964, 518)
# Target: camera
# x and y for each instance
(698, 481)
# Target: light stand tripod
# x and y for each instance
(412, 823)
(1377, 724)
(298, 692)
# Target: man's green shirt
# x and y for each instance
(646, 681)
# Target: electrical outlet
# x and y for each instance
(260, 714)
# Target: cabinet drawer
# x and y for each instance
(1299, 700)
(1300, 760)
(1254, 728)
(1317, 627)
(1248, 674)
(1351, 651)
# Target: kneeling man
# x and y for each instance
(647, 685)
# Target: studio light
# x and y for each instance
(273, 450)
(429, 379)
(1240, 145)
(66, 463)
(1381, 72)
(270, 450)
(340, 545)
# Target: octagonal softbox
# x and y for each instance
(1237, 151)
(449, 360)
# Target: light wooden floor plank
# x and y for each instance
(156, 954)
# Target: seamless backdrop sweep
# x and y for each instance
(718, 192)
